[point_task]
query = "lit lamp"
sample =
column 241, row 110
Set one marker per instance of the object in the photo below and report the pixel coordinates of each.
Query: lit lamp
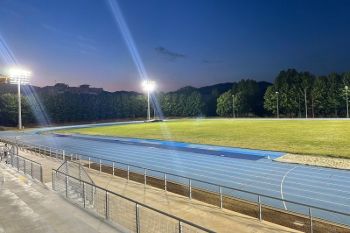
column 20, row 77
column 148, row 86
column 278, row 111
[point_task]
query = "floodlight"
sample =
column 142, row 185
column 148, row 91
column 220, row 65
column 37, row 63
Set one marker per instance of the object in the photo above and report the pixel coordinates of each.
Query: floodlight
column 148, row 85
column 18, row 75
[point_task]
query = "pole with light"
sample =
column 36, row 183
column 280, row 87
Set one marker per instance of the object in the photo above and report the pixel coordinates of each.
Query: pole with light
column 278, row 112
column 148, row 86
column 347, row 101
column 233, row 106
column 20, row 77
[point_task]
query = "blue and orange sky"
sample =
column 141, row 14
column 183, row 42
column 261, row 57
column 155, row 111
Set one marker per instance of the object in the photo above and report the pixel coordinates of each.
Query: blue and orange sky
column 182, row 42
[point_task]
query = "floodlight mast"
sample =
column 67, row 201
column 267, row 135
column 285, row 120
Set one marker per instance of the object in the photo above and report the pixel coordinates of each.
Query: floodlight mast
column 19, row 76
column 347, row 101
column 148, row 86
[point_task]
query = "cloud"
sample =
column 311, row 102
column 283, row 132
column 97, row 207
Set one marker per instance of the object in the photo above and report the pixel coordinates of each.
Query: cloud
column 86, row 46
column 79, row 42
column 10, row 11
column 211, row 61
column 170, row 55
column 85, row 39
column 50, row 28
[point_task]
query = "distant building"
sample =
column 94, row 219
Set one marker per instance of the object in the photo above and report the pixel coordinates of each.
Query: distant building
column 62, row 88
column 3, row 78
column 58, row 88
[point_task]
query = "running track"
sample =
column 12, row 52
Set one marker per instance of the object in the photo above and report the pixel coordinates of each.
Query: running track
column 321, row 187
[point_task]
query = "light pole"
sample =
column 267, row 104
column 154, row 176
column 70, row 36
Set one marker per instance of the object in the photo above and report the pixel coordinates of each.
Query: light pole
column 347, row 101
column 233, row 106
column 278, row 112
column 148, row 86
column 20, row 77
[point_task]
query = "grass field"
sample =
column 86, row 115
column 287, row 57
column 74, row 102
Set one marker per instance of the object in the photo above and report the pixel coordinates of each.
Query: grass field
column 316, row 137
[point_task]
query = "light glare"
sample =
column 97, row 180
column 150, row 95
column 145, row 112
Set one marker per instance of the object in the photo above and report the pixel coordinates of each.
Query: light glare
column 18, row 75
column 148, row 85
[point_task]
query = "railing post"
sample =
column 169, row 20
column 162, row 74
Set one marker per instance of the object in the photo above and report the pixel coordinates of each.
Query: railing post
column 66, row 186
column 63, row 155
column 137, row 219
column 50, row 152
column 220, row 191
column 311, row 225
column 113, row 168
column 260, row 210
column 84, row 195
column 24, row 164
column 165, row 183
column 31, row 169
column 89, row 163
column 128, row 172
column 190, row 188
column 53, row 180
column 100, row 166
column 180, row 226
column 107, row 205
column 41, row 174
column 145, row 177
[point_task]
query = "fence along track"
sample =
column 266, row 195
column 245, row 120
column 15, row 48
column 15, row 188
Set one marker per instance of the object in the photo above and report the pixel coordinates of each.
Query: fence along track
column 21, row 164
column 308, row 218
column 118, row 209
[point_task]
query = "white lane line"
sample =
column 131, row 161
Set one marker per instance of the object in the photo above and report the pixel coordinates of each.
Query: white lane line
column 324, row 193
column 279, row 164
column 284, row 177
column 308, row 185
column 318, row 184
column 137, row 152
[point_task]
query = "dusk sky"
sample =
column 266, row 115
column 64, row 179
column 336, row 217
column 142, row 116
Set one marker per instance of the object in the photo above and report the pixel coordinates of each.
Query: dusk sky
column 190, row 42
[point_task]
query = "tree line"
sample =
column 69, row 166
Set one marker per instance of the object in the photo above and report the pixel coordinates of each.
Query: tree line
column 299, row 94
column 302, row 94
column 293, row 94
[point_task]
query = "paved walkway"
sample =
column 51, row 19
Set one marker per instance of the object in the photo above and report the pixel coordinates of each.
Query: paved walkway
column 29, row 207
column 203, row 214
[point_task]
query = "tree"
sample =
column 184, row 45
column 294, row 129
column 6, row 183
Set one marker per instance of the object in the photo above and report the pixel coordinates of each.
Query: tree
column 286, row 84
column 184, row 102
column 306, row 82
column 270, row 97
column 8, row 109
column 249, row 97
column 334, row 92
column 225, row 104
column 319, row 97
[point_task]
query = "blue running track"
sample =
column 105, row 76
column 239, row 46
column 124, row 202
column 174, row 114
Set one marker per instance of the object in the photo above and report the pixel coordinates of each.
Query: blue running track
column 238, row 168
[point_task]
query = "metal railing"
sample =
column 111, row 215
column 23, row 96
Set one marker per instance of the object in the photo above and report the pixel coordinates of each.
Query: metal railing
column 27, row 166
column 120, row 210
column 298, row 215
